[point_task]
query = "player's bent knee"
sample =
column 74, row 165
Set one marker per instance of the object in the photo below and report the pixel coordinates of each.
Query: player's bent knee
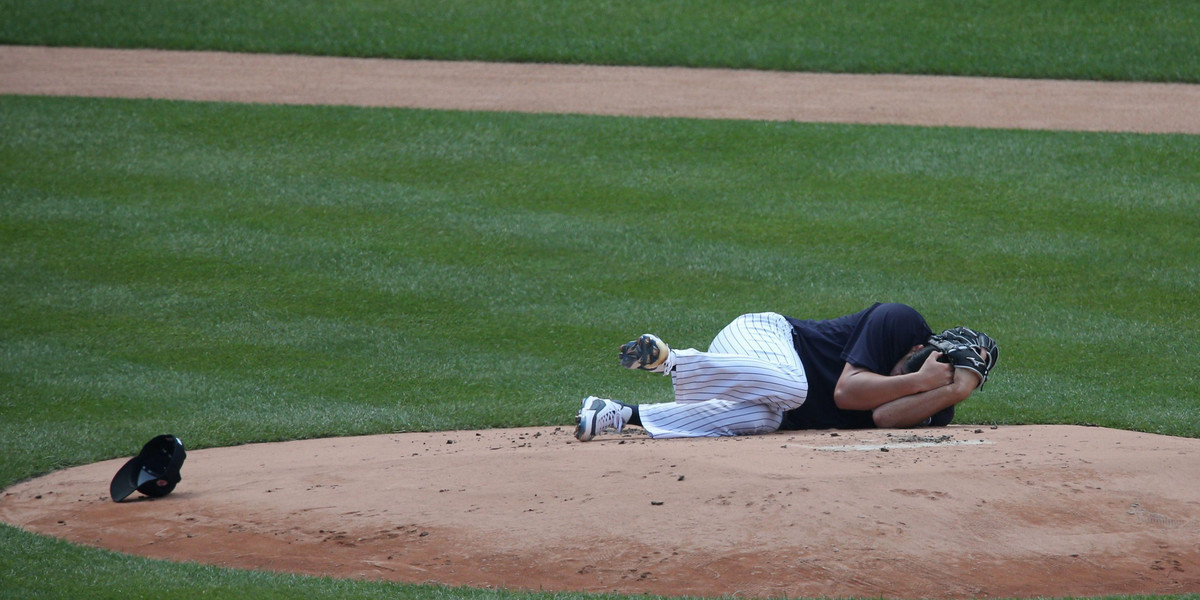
column 769, row 422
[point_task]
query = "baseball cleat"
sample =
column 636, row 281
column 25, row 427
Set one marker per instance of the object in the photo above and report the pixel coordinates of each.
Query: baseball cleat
column 647, row 353
column 598, row 415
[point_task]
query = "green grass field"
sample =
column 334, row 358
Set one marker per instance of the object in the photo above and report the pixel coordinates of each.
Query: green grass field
column 240, row 273
column 1152, row 40
column 248, row 273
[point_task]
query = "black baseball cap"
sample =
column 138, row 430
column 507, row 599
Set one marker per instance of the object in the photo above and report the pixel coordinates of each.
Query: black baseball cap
column 153, row 472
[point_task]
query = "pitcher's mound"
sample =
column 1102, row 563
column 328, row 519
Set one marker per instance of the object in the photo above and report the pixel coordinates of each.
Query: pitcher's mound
column 960, row 512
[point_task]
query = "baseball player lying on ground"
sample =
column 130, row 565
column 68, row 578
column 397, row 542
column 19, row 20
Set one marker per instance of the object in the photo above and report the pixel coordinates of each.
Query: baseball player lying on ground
column 880, row 367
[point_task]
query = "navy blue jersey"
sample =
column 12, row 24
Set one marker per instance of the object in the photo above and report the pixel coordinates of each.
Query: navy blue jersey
column 874, row 339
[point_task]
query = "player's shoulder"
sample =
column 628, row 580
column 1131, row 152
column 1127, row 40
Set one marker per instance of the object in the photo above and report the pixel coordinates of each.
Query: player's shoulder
column 894, row 315
column 892, row 310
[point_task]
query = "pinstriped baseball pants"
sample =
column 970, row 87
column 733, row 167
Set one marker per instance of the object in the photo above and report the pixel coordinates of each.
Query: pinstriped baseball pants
column 742, row 385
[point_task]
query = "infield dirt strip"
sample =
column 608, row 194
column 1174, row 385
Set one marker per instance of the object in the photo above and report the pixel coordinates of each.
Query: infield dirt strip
column 960, row 512
column 598, row 90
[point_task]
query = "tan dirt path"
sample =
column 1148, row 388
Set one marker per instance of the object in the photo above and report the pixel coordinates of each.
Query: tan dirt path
column 962, row 512
column 639, row 91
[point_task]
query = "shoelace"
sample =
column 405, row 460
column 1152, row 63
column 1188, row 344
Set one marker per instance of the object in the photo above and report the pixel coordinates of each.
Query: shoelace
column 610, row 416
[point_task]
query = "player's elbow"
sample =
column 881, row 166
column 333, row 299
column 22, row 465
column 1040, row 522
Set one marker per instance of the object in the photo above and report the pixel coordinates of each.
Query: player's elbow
column 849, row 396
column 858, row 389
column 843, row 399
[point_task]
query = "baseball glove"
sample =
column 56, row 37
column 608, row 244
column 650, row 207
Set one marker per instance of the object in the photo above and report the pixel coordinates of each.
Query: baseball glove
column 965, row 349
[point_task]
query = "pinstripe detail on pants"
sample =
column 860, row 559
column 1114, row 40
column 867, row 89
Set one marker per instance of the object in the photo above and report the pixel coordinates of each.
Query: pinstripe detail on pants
column 742, row 385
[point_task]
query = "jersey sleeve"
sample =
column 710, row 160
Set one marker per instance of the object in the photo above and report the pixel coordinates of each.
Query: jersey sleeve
column 884, row 335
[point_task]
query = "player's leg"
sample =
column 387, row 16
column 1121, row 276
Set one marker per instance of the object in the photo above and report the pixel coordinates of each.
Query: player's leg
column 752, row 360
column 766, row 336
column 709, row 419
column 674, row 420
column 749, row 377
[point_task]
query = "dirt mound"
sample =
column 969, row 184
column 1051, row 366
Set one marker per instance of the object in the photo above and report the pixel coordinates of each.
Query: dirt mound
column 957, row 513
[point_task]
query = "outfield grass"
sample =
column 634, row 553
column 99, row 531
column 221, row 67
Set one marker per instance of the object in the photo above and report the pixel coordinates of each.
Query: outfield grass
column 1146, row 40
column 236, row 273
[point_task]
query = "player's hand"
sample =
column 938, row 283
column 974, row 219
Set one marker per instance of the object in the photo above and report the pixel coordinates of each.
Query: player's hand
column 936, row 373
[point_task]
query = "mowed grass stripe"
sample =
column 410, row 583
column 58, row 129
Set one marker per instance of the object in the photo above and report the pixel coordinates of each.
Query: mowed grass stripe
column 1148, row 40
column 250, row 273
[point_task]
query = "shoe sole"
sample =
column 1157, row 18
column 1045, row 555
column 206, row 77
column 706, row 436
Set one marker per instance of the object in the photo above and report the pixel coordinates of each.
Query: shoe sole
column 636, row 354
column 581, row 429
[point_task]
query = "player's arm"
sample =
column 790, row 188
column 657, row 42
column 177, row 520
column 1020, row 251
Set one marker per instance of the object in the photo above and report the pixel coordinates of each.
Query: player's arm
column 861, row 389
column 910, row 411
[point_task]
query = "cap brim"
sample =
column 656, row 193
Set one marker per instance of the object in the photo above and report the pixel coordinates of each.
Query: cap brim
column 126, row 480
